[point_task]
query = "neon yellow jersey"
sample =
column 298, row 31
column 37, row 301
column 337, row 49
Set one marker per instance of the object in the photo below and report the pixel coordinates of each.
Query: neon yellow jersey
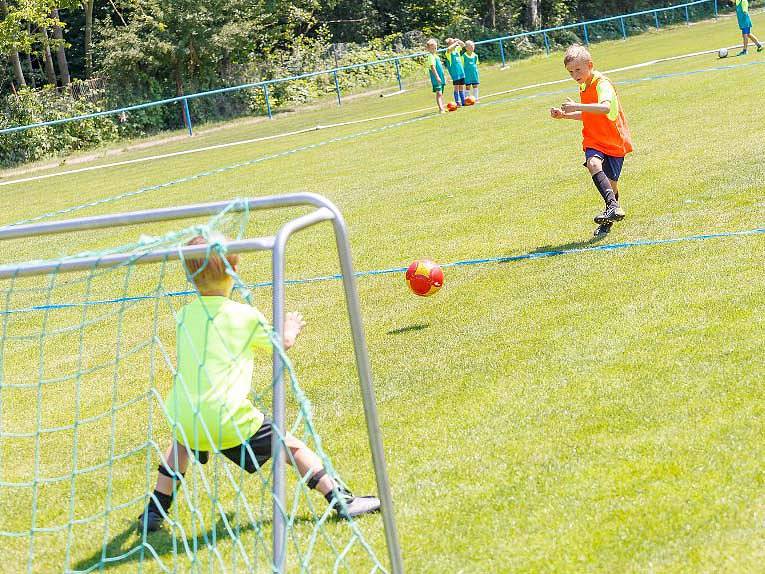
column 209, row 403
column 606, row 93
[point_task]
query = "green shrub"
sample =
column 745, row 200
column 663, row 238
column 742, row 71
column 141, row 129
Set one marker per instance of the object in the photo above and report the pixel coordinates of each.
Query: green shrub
column 31, row 107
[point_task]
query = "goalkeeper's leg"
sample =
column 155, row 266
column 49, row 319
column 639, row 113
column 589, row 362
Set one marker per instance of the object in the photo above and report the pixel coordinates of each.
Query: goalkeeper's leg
column 346, row 505
column 256, row 451
column 170, row 471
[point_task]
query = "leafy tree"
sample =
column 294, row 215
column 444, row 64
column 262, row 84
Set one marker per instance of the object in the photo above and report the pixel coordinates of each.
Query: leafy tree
column 8, row 42
column 24, row 23
column 184, row 44
column 16, row 16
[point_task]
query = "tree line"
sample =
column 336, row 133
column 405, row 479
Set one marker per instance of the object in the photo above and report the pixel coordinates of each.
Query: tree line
column 166, row 47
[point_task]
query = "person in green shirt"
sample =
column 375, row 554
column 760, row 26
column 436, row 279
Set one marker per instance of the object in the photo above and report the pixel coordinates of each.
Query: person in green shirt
column 745, row 23
column 470, row 63
column 456, row 69
column 436, row 73
column 217, row 341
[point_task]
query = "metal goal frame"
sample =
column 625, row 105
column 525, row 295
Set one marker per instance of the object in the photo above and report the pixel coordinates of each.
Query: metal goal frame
column 324, row 210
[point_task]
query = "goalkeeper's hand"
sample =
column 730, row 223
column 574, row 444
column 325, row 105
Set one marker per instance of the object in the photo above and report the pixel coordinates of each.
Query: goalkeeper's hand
column 293, row 325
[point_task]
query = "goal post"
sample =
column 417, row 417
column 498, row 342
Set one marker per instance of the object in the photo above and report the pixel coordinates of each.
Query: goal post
column 322, row 211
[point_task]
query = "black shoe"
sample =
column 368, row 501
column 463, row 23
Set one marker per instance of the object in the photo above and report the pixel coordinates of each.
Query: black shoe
column 603, row 229
column 612, row 213
column 354, row 505
column 152, row 519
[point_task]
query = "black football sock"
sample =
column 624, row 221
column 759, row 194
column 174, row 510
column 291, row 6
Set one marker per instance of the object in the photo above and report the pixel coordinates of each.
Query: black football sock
column 604, row 187
column 165, row 501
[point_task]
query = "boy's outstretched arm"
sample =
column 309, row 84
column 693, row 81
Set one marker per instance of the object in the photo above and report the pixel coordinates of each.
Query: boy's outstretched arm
column 559, row 114
column 570, row 106
column 293, row 324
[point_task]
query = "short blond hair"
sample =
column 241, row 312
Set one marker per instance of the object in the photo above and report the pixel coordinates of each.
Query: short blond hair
column 575, row 53
column 432, row 42
column 210, row 269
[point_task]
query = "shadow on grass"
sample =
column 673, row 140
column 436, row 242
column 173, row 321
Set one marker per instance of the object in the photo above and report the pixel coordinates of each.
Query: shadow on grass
column 594, row 240
column 409, row 329
column 131, row 539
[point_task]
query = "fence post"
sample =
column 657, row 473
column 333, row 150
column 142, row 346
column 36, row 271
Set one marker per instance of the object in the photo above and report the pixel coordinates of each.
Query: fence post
column 624, row 28
column 187, row 116
column 687, row 17
column 547, row 43
column 337, row 88
column 656, row 17
column 268, row 102
column 502, row 52
column 715, row 2
column 586, row 36
column 398, row 74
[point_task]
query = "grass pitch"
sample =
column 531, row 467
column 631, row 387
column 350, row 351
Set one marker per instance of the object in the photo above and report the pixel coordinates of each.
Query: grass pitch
column 599, row 411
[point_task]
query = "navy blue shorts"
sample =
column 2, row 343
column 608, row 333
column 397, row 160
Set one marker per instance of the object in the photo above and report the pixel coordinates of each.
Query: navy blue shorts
column 746, row 31
column 612, row 166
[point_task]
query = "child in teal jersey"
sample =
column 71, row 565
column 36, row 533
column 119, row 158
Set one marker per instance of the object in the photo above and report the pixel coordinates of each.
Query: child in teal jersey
column 436, row 73
column 470, row 62
column 745, row 23
column 209, row 405
column 456, row 70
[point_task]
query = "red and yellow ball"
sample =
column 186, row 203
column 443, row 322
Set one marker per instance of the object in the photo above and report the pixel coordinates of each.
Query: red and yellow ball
column 424, row 278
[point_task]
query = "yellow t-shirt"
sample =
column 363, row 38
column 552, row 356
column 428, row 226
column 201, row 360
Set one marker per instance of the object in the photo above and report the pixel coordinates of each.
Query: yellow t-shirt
column 216, row 343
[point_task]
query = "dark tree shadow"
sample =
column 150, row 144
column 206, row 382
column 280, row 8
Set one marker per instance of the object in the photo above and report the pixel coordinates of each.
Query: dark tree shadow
column 409, row 329
column 131, row 540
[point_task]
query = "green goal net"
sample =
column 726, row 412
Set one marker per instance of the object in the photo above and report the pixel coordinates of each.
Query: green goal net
column 87, row 359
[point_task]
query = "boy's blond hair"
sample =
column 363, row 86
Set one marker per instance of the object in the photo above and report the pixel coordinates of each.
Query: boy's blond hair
column 210, row 270
column 432, row 42
column 575, row 53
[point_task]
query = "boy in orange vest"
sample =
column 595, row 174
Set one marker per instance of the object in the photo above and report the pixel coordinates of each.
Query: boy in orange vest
column 604, row 131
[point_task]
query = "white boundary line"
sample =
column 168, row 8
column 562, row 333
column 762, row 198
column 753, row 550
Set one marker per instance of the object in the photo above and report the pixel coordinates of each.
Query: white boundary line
column 209, row 148
column 396, row 93
column 623, row 69
column 336, row 125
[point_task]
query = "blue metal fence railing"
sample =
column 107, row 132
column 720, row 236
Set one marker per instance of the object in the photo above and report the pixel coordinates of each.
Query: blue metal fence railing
column 585, row 32
column 584, row 27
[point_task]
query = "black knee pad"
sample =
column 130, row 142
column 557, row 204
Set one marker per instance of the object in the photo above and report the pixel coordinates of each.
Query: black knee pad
column 313, row 482
column 169, row 473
